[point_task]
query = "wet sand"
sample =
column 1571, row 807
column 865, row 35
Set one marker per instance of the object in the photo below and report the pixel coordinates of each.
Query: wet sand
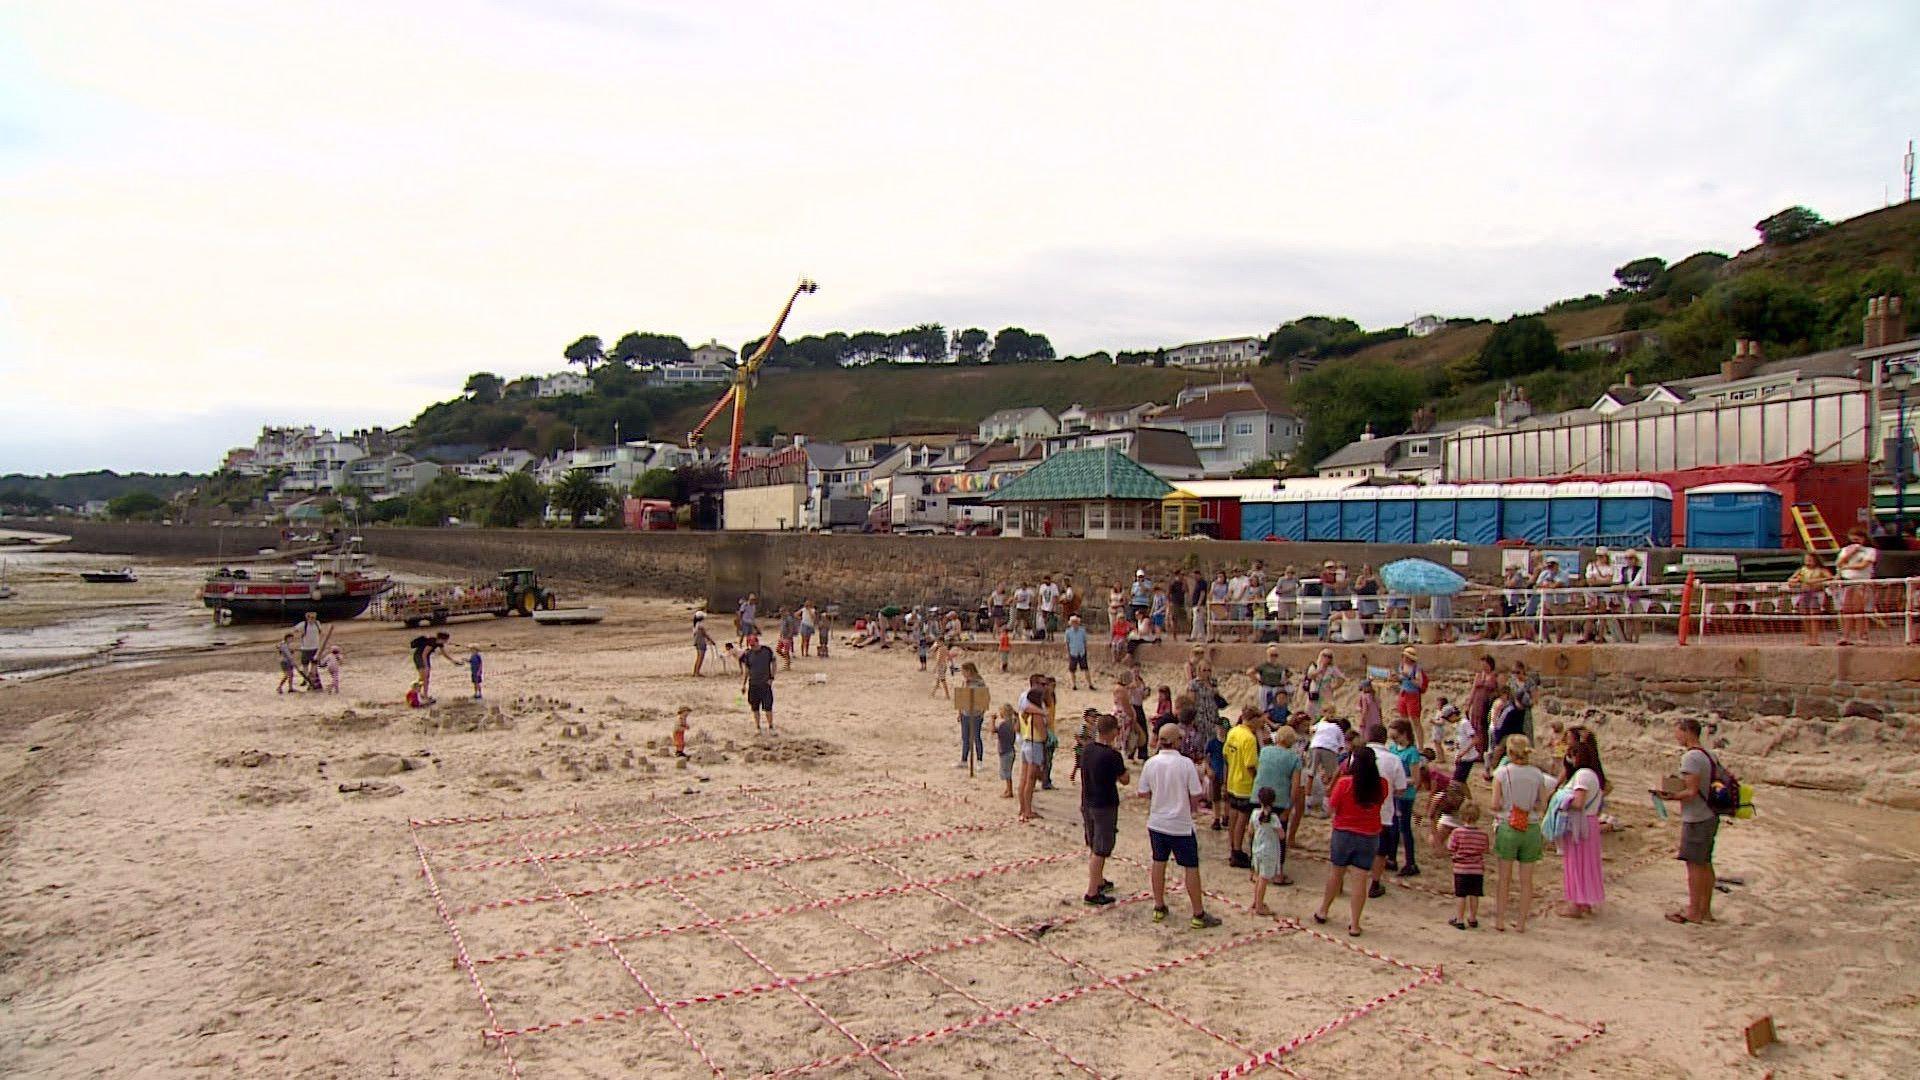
column 187, row 890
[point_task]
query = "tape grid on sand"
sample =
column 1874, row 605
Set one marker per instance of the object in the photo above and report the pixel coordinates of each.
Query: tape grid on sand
column 870, row 1053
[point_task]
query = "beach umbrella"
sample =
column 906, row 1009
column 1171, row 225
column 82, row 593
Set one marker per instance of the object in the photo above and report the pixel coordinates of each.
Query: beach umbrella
column 1418, row 577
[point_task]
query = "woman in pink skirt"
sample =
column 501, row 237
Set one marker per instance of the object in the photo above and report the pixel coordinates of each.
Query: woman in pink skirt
column 1580, row 848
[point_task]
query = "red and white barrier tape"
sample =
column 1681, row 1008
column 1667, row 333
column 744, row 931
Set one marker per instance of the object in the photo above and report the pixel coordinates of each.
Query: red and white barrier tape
column 1000, row 1016
column 1260, row 1060
column 722, row 871
column 650, row 823
column 775, row 912
column 464, row 961
column 665, row 841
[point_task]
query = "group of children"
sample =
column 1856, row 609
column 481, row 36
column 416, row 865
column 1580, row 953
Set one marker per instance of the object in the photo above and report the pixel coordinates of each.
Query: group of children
column 326, row 662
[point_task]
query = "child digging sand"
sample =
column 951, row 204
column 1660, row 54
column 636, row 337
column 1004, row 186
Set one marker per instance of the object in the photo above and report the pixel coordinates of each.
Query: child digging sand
column 286, row 665
column 1269, row 848
column 1467, row 845
column 680, row 731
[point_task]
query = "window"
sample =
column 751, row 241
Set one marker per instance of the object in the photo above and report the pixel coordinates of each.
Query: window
column 1243, row 427
column 1206, row 434
column 1096, row 516
column 1422, row 446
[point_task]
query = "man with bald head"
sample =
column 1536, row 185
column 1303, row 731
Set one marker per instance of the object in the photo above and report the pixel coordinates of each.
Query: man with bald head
column 1170, row 783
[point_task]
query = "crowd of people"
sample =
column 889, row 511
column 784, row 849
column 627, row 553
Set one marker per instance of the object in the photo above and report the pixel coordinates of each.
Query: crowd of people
column 1466, row 785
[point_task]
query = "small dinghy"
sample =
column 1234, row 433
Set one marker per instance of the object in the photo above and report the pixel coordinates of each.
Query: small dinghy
column 122, row 576
column 570, row 616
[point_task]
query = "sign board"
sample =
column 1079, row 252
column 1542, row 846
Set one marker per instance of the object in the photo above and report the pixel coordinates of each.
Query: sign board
column 1717, row 563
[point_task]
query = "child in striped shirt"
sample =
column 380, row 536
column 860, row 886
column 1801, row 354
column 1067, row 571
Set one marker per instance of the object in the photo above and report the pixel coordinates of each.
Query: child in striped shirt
column 1467, row 846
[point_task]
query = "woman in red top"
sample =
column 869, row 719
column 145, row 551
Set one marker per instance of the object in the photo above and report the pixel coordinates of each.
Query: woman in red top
column 1355, row 800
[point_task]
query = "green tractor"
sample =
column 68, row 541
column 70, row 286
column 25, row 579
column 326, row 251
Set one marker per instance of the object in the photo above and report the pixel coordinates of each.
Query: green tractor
column 523, row 591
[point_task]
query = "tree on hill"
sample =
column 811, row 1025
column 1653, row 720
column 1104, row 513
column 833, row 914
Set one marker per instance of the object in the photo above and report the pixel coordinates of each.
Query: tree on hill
column 1342, row 399
column 1013, row 345
column 1641, row 274
column 578, row 495
column 1323, row 336
column 135, row 506
column 970, row 345
column 516, row 500
column 927, row 341
column 1692, row 276
column 586, row 352
column 1518, row 346
column 484, row 386
column 1789, row 226
column 636, row 347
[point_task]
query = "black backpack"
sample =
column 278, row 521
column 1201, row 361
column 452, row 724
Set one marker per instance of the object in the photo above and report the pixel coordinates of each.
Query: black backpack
column 1723, row 788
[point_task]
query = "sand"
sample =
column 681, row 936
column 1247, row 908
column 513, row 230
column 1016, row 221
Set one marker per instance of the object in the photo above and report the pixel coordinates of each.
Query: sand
column 201, row 877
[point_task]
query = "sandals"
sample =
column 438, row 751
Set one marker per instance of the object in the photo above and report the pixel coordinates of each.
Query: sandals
column 1319, row 918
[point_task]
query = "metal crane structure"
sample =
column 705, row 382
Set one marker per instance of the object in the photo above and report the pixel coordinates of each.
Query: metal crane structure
column 744, row 377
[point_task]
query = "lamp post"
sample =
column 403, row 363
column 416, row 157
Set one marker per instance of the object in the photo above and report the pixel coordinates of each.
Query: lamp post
column 1900, row 381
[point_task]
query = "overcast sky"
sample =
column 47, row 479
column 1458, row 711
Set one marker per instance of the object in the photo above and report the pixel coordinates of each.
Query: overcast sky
column 214, row 214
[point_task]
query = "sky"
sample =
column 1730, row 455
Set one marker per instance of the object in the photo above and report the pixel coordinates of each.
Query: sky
column 215, row 215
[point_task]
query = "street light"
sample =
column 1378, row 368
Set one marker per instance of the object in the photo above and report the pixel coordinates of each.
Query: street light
column 1900, row 380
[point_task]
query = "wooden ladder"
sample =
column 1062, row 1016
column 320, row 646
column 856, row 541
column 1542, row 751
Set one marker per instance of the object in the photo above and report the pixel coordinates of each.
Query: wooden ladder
column 1812, row 526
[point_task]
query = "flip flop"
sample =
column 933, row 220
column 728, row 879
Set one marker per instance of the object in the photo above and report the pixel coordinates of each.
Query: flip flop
column 1319, row 918
column 1677, row 917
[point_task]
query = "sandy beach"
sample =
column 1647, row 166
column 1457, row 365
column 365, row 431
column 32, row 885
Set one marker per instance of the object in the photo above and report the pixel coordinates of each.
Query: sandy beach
column 202, row 877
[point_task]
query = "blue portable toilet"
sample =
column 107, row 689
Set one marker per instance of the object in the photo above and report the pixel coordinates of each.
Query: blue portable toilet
column 1359, row 514
column 1396, row 513
column 1523, row 512
column 1636, row 513
column 1289, row 517
column 1256, row 519
column 1733, row 516
column 1436, row 513
column 1477, row 514
column 1323, row 517
column 1573, row 513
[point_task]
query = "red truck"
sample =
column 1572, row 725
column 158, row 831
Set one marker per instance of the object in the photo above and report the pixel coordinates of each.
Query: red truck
column 649, row 515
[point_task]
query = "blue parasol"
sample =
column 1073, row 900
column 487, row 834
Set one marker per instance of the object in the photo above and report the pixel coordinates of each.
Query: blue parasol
column 1418, row 577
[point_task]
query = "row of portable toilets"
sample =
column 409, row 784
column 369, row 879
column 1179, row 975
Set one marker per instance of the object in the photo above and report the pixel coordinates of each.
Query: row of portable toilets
column 1622, row 513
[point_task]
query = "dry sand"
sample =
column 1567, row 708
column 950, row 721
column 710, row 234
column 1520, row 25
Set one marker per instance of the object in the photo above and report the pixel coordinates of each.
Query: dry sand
column 203, row 878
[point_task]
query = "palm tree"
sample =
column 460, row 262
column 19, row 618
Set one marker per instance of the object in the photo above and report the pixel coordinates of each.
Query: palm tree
column 587, row 352
column 579, row 494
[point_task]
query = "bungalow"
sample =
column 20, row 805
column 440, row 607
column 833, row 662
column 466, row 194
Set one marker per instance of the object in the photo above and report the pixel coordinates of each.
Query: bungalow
column 1030, row 421
column 1098, row 494
column 562, row 383
column 1220, row 353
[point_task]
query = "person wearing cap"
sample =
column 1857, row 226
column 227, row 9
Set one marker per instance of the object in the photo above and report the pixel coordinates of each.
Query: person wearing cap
column 1076, row 637
column 1413, row 684
column 1140, row 598
column 1548, row 580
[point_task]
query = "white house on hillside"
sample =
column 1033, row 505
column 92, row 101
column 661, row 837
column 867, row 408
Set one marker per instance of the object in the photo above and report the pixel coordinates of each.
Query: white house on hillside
column 1220, row 353
column 1030, row 421
column 561, row 383
column 1233, row 428
column 713, row 353
column 1422, row 325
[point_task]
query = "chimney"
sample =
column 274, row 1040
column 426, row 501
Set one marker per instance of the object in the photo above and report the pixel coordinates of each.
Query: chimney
column 799, row 439
column 1886, row 324
column 1746, row 357
column 1422, row 421
column 1628, row 379
column 1366, row 434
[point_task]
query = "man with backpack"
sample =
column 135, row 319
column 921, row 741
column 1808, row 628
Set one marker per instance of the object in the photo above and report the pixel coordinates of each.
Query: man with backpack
column 1699, row 821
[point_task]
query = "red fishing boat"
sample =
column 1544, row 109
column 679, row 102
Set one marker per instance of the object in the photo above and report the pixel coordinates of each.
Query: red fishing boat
column 335, row 586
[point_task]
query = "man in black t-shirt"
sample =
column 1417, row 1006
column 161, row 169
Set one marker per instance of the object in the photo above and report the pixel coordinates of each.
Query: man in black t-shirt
column 1102, row 769
column 756, row 678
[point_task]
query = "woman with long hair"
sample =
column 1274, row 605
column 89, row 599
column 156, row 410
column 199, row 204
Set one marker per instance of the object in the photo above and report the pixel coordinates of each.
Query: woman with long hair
column 1356, row 799
column 1581, row 882
column 1486, row 682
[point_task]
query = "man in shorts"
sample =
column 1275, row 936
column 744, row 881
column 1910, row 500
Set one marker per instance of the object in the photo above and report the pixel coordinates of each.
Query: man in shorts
column 311, row 640
column 1102, row 769
column 1171, row 785
column 1077, row 653
column 1323, row 756
column 1240, row 752
column 423, row 648
column 1699, row 825
column 756, row 679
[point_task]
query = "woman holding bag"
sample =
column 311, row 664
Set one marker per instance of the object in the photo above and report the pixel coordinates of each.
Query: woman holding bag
column 1520, row 794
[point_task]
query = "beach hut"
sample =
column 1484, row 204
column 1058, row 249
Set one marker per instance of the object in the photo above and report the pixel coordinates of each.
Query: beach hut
column 1289, row 516
column 1359, row 509
column 1256, row 519
column 1396, row 513
column 1523, row 512
column 1179, row 509
column 1436, row 513
column 1733, row 516
column 1477, row 514
column 1634, row 513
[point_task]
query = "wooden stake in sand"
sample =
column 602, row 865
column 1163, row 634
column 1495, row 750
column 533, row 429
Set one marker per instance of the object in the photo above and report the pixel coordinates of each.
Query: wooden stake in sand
column 1760, row 1035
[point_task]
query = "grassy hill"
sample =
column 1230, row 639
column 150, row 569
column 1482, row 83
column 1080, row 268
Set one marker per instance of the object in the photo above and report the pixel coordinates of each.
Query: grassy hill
column 867, row 402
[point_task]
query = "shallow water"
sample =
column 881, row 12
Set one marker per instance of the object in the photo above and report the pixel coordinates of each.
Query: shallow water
column 56, row 623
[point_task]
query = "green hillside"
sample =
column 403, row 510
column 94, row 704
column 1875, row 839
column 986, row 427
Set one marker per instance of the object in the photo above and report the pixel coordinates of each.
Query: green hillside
column 867, row 402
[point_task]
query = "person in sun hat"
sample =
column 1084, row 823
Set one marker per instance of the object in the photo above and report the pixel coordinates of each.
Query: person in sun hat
column 1413, row 685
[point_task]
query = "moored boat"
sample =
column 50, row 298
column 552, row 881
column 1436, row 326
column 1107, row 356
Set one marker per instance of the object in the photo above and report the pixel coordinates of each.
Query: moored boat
column 122, row 576
column 336, row 586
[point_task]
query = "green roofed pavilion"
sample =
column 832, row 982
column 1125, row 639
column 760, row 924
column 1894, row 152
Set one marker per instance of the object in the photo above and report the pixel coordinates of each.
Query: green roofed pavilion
column 1096, row 494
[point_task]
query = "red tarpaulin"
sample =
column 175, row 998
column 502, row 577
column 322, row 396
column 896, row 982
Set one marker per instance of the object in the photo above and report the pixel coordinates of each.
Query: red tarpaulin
column 1839, row 490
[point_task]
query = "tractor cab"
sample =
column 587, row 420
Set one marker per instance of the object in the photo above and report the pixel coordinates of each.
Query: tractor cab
column 523, row 590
